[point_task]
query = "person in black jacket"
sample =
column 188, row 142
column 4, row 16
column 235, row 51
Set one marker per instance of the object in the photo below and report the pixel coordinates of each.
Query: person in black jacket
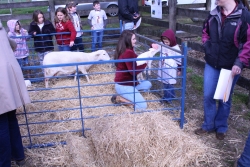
column 226, row 40
column 42, row 43
column 128, row 13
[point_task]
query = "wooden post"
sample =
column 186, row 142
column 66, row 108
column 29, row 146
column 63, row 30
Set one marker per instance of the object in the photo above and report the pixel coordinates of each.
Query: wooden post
column 208, row 5
column 52, row 11
column 172, row 14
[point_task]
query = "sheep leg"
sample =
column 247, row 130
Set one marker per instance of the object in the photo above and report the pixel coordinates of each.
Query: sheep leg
column 82, row 69
column 75, row 76
column 46, row 82
column 87, row 77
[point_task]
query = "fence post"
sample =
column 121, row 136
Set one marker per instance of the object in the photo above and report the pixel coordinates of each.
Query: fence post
column 208, row 5
column 52, row 11
column 172, row 14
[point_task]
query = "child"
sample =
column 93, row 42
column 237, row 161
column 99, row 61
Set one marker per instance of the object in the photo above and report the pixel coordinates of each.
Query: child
column 127, row 85
column 167, row 68
column 97, row 20
column 22, row 50
column 39, row 25
column 63, row 24
column 76, row 20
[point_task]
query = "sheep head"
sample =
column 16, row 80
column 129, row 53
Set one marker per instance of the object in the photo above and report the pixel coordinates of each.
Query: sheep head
column 102, row 55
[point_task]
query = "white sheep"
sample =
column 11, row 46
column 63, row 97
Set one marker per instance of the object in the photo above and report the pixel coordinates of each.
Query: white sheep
column 70, row 57
column 152, row 51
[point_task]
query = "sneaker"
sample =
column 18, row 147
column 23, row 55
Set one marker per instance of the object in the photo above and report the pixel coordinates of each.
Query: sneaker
column 118, row 100
column 220, row 136
column 113, row 99
column 202, row 132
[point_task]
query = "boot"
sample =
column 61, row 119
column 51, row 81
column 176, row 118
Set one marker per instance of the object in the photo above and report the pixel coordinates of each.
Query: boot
column 116, row 99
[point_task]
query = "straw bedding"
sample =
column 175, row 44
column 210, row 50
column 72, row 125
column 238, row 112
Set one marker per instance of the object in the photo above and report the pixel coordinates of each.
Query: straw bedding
column 149, row 139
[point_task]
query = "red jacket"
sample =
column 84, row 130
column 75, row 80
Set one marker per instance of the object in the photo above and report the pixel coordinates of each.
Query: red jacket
column 64, row 39
column 125, row 71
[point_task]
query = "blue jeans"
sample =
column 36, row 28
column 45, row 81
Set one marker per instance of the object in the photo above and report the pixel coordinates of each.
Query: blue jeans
column 215, row 119
column 128, row 26
column 23, row 61
column 97, row 36
column 11, row 146
column 63, row 47
column 169, row 92
column 129, row 92
column 78, row 44
column 244, row 160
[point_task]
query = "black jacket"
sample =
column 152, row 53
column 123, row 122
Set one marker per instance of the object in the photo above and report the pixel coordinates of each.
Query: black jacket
column 126, row 9
column 229, row 44
column 42, row 43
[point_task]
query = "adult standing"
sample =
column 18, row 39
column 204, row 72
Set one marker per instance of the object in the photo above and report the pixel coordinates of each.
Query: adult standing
column 128, row 12
column 244, row 160
column 226, row 39
column 13, row 94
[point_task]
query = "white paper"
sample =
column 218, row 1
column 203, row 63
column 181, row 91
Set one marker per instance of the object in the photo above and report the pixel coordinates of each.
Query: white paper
column 224, row 85
column 228, row 90
column 138, row 23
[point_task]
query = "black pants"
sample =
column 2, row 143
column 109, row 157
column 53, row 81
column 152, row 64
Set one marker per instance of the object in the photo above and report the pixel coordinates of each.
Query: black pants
column 11, row 146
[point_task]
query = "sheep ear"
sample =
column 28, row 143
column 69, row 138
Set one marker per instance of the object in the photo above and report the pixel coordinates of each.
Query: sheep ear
column 98, row 54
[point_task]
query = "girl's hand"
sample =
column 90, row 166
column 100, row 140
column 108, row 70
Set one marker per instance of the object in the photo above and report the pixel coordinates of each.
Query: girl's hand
column 155, row 46
column 179, row 73
column 236, row 70
column 34, row 33
column 71, row 43
column 25, row 32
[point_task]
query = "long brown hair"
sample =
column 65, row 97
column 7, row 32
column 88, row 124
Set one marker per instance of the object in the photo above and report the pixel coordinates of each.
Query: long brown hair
column 35, row 15
column 124, row 43
column 64, row 11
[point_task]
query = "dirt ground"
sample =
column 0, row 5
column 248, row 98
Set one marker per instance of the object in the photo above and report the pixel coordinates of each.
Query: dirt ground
column 239, row 125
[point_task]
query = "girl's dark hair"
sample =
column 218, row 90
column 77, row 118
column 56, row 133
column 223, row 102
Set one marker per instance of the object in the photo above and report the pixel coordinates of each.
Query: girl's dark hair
column 124, row 43
column 35, row 15
column 64, row 11
column 246, row 4
column 20, row 27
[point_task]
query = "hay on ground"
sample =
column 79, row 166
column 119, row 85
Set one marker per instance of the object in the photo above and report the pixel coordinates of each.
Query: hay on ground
column 148, row 139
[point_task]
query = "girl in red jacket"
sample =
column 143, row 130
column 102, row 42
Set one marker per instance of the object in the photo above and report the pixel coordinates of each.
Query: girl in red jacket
column 63, row 25
column 127, row 85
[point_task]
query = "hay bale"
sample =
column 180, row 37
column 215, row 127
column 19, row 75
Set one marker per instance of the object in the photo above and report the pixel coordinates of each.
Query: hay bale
column 81, row 151
column 148, row 139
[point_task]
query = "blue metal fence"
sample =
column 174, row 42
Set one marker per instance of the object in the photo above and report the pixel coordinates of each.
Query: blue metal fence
column 68, row 106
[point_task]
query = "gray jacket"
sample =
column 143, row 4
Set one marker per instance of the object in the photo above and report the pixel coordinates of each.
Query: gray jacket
column 13, row 91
